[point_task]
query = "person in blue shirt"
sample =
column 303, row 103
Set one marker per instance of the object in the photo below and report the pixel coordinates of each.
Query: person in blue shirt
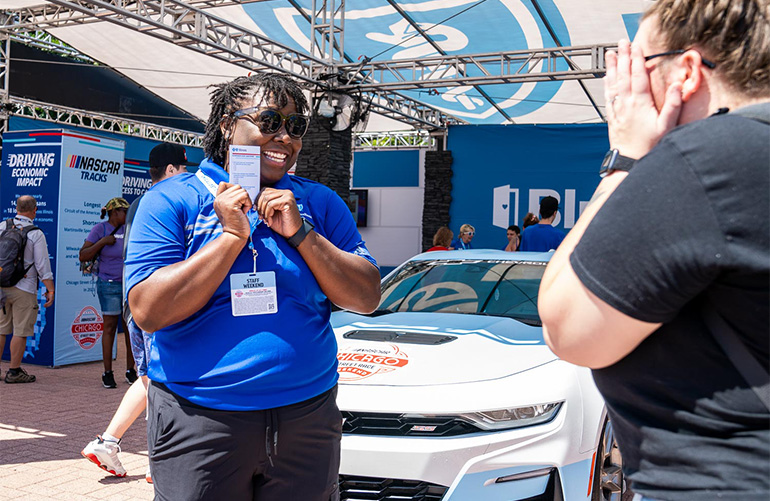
column 542, row 237
column 463, row 240
column 238, row 294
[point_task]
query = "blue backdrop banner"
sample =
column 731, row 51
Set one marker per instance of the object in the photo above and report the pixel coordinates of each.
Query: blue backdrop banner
column 500, row 172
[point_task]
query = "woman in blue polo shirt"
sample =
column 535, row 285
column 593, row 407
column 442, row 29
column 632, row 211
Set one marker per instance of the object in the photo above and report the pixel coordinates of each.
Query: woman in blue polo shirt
column 243, row 363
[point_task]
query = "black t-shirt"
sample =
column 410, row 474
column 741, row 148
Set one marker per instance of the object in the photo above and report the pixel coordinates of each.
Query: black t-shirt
column 690, row 224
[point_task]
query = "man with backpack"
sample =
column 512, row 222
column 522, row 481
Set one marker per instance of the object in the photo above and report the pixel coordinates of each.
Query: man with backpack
column 23, row 259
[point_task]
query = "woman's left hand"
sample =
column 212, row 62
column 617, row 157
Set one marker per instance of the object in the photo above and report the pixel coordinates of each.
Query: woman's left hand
column 278, row 208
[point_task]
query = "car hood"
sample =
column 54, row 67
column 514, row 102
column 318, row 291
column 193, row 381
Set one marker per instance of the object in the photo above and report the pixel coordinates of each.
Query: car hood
column 425, row 349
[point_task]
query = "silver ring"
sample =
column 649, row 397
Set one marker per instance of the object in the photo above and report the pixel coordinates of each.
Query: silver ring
column 615, row 98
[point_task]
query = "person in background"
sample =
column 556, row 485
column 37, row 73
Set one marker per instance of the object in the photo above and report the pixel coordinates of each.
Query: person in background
column 662, row 320
column 238, row 294
column 105, row 243
column 463, row 241
column 442, row 239
column 513, row 234
column 166, row 160
column 529, row 220
column 19, row 314
column 542, row 237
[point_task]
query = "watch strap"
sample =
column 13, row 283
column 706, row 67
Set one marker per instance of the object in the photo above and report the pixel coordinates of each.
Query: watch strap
column 302, row 232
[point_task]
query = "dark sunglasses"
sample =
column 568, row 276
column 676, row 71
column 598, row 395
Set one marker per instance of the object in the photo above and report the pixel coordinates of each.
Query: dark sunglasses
column 706, row 62
column 270, row 121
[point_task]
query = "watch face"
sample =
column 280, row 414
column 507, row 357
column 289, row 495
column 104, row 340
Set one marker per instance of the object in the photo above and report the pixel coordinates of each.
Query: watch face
column 609, row 158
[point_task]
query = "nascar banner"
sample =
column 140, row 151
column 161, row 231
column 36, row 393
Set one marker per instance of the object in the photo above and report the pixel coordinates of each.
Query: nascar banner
column 72, row 175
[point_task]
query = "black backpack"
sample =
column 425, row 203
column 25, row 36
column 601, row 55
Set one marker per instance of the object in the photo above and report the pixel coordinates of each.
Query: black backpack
column 12, row 243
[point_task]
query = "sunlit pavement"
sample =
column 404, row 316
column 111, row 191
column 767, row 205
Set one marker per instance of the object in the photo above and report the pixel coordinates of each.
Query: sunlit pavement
column 44, row 425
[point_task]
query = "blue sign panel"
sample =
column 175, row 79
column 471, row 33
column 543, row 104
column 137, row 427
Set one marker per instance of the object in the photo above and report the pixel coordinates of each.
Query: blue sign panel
column 502, row 172
column 372, row 169
column 31, row 167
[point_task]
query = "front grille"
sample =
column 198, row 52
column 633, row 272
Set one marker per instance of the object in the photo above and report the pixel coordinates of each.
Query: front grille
column 401, row 425
column 388, row 489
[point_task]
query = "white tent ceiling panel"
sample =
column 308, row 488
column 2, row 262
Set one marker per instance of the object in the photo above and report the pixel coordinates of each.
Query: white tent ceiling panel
column 174, row 73
column 568, row 105
column 375, row 29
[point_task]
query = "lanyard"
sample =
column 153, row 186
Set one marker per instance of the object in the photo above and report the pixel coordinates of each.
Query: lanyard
column 212, row 187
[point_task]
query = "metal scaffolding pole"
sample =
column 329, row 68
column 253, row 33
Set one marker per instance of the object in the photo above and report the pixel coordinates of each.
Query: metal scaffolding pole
column 5, row 55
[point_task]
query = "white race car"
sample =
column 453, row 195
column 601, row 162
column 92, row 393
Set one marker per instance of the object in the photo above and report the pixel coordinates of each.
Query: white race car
column 448, row 391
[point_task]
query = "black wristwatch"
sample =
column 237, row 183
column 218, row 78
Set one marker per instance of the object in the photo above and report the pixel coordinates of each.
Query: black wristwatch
column 302, row 232
column 613, row 161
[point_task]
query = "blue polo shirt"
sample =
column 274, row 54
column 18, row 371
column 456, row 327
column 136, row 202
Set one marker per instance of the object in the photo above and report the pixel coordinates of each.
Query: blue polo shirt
column 213, row 358
column 541, row 238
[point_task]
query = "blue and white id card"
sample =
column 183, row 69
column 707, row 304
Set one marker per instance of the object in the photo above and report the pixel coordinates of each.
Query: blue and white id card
column 253, row 293
column 244, row 165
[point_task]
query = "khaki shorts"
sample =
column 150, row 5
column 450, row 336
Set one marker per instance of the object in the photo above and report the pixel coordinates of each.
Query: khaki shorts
column 20, row 313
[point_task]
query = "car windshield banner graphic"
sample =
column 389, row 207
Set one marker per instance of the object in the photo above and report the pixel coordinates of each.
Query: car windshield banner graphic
column 381, row 33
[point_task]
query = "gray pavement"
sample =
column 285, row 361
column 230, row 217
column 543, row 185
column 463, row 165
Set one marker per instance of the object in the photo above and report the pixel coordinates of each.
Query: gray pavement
column 44, row 425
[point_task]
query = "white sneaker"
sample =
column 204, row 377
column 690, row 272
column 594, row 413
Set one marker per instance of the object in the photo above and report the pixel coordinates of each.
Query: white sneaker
column 104, row 454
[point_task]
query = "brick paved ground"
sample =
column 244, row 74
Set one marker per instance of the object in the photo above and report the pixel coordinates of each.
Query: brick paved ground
column 44, row 426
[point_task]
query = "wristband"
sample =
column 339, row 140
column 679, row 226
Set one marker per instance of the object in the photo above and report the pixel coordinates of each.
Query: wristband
column 302, row 232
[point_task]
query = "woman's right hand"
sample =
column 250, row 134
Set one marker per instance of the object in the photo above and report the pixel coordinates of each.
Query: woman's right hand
column 231, row 205
column 109, row 240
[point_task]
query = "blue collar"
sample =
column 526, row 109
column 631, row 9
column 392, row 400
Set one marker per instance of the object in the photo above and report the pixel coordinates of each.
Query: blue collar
column 214, row 171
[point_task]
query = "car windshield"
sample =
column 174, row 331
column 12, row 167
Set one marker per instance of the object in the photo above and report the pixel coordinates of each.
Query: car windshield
column 498, row 288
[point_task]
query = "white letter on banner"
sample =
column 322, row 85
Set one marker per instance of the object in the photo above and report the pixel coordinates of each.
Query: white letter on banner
column 501, row 205
column 569, row 208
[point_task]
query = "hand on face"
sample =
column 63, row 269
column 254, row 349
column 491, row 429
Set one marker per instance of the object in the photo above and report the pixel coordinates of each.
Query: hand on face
column 231, row 205
column 278, row 208
column 635, row 121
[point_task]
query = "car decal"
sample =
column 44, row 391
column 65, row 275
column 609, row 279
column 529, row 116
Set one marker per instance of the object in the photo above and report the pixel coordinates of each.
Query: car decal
column 356, row 363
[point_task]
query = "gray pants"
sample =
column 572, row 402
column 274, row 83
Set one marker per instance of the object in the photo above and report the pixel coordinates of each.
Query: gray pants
column 282, row 454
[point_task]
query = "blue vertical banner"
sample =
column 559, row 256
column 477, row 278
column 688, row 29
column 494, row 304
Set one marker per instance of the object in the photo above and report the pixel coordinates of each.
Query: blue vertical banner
column 501, row 172
column 71, row 175
column 136, row 178
column 30, row 166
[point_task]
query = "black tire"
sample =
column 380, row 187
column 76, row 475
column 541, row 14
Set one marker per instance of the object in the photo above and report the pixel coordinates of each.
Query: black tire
column 609, row 484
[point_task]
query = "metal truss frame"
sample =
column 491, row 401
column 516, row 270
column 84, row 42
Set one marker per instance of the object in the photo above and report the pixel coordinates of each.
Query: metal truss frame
column 5, row 55
column 100, row 121
column 187, row 24
column 63, row 115
column 393, row 140
column 535, row 65
column 44, row 40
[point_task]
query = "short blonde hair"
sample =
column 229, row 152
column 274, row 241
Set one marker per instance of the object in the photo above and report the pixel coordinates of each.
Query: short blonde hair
column 466, row 228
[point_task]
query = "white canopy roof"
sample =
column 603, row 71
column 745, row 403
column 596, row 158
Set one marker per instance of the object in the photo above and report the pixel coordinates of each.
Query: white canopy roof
column 383, row 30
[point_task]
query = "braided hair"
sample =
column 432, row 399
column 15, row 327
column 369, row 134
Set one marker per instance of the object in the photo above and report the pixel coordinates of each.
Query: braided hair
column 228, row 97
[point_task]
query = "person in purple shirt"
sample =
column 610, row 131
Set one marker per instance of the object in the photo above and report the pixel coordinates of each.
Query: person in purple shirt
column 105, row 242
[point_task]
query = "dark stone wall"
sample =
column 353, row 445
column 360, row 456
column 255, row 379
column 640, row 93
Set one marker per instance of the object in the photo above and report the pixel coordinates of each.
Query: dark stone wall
column 326, row 156
column 438, row 194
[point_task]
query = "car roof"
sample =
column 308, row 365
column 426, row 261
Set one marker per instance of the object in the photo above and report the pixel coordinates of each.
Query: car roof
column 483, row 254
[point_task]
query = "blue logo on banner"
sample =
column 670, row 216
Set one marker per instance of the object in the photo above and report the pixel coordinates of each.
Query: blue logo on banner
column 457, row 26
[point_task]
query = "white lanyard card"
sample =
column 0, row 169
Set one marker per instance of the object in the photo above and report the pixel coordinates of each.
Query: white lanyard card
column 253, row 293
column 244, row 166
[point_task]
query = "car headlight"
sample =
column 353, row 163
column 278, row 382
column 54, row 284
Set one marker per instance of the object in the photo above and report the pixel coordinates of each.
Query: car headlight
column 517, row 417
